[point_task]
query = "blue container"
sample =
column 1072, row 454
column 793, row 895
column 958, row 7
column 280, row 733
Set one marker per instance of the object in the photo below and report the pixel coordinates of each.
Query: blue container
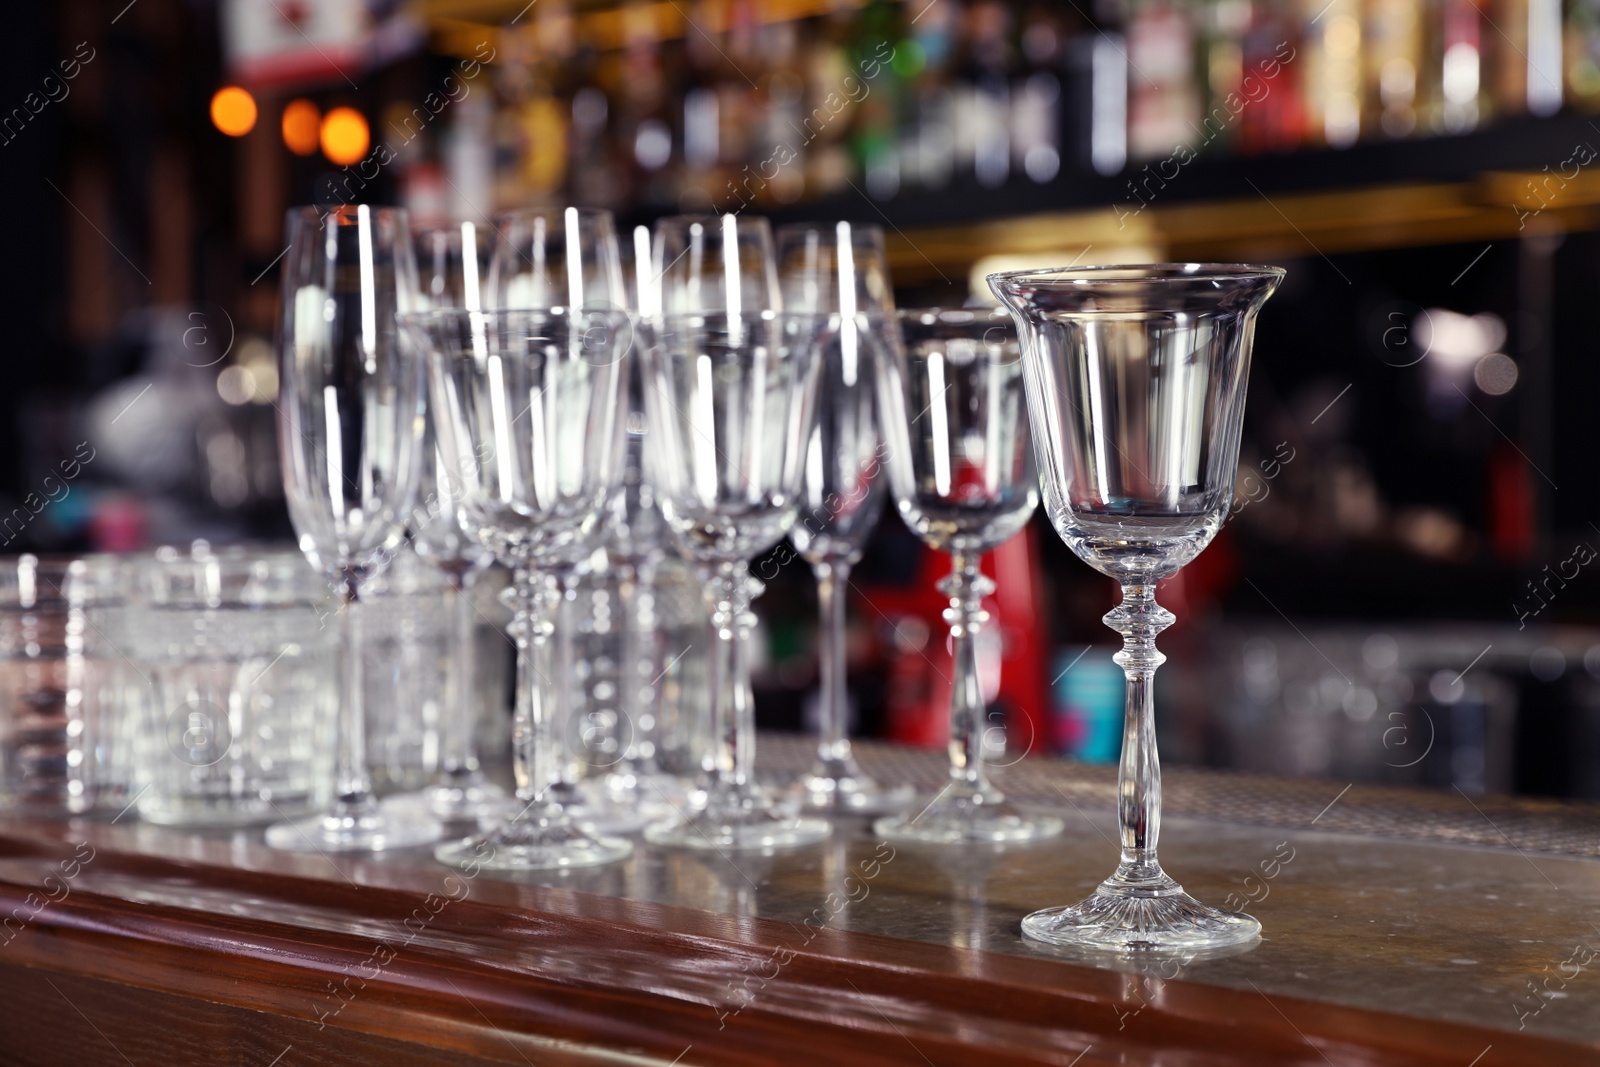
column 1088, row 705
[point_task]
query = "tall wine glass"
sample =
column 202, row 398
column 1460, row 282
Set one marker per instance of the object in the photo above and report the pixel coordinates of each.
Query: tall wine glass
column 961, row 468
column 731, row 402
column 557, row 257
column 630, row 790
column 452, row 267
column 1136, row 387
column 546, row 258
column 528, row 409
column 726, row 264
column 350, row 436
column 714, row 263
column 840, row 269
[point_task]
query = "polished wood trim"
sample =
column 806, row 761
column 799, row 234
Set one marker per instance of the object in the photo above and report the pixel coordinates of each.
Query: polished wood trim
column 1493, row 207
column 460, row 26
column 561, row 977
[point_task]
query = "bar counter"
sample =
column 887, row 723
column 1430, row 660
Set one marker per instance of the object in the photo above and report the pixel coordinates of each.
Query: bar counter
column 1401, row 927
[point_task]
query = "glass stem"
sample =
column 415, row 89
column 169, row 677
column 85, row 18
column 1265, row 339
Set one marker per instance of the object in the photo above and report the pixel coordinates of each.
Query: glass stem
column 732, row 712
column 966, row 587
column 458, row 722
column 1139, row 619
column 566, row 703
column 633, row 688
column 353, row 785
column 744, row 695
column 835, row 742
column 532, row 725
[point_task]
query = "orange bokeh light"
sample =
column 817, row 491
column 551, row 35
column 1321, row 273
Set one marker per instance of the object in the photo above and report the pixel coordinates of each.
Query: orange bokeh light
column 233, row 111
column 345, row 136
column 302, row 127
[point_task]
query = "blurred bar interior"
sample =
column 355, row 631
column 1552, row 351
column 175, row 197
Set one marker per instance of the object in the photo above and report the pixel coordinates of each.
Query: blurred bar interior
column 1403, row 595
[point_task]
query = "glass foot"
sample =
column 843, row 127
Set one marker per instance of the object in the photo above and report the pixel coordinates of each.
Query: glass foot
column 1119, row 918
column 541, row 838
column 842, row 789
column 359, row 826
column 623, row 803
column 738, row 820
column 464, row 797
column 979, row 816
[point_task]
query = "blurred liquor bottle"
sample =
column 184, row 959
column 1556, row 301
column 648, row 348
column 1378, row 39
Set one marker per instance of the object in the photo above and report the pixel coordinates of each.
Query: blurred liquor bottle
column 989, row 92
column 825, row 151
column 1528, row 61
column 644, row 126
column 1163, row 90
column 1333, row 74
column 878, row 104
column 780, row 149
column 1393, row 50
column 705, row 182
column 1583, row 53
column 1456, row 96
column 1095, row 109
column 1282, row 52
column 1220, row 67
column 594, row 178
column 1036, row 97
column 540, row 110
column 928, row 134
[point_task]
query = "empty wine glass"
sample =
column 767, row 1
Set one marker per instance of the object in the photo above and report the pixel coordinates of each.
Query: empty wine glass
column 714, row 263
column 726, row 264
column 631, row 790
column 557, row 257
column 528, row 409
column 731, row 403
column 841, row 269
column 546, row 258
column 452, row 267
column 1136, row 388
column 961, row 468
column 349, row 430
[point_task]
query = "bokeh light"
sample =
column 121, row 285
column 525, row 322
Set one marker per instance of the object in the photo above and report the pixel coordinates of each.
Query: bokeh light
column 302, row 127
column 345, row 137
column 233, row 111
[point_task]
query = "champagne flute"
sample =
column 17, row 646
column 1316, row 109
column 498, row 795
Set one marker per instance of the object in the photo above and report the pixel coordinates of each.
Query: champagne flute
column 961, row 468
column 840, row 269
column 542, row 259
column 350, row 423
column 1136, row 387
column 452, row 264
column 631, row 790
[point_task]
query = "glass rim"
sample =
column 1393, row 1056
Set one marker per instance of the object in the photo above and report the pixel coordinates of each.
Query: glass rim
column 1107, row 274
column 601, row 214
column 713, row 217
column 868, row 229
column 452, row 228
column 754, row 315
column 553, row 311
column 950, row 316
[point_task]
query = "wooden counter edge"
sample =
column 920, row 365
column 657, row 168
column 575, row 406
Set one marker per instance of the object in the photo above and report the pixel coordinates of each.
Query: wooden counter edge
column 519, row 969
